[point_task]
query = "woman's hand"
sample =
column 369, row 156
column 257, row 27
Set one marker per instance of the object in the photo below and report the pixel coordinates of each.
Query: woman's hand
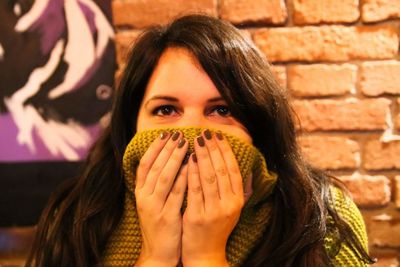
column 159, row 198
column 215, row 200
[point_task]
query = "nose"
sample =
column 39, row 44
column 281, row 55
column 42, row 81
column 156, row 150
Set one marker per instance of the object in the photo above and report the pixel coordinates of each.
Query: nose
column 194, row 118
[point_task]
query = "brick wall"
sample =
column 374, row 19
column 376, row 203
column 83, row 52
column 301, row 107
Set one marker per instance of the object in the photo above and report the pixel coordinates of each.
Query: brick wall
column 339, row 61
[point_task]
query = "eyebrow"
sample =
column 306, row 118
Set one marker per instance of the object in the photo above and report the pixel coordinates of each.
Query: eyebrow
column 174, row 99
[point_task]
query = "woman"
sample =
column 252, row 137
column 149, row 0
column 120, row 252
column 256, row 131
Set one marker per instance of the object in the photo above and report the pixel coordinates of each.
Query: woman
column 226, row 135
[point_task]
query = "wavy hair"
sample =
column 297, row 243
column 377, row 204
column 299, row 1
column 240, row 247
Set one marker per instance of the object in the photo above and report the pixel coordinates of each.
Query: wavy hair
column 80, row 217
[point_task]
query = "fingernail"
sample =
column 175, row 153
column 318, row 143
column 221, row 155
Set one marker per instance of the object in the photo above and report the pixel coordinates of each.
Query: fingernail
column 207, row 134
column 175, row 136
column 194, row 158
column 200, row 141
column 181, row 143
column 185, row 159
column 163, row 135
column 219, row 136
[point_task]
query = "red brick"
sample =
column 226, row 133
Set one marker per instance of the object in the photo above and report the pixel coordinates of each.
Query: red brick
column 398, row 122
column 349, row 114
column 123, row 43
column 384, row 231
column 280, row 74
column 321, row 79
column 328, row 43
column 338, row 152
column 397, row 190
column 382, row 156
column 377, row 10
column 380, row 77
column 397, row 119
column 368, row 191
column 144, row 13
column 387, row 262
column 327, row 11
column 255, row 11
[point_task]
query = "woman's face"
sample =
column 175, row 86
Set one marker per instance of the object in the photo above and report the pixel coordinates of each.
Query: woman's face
column 180, row 93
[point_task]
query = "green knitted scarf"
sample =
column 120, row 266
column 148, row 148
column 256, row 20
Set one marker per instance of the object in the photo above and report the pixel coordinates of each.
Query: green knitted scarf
column 124, row 246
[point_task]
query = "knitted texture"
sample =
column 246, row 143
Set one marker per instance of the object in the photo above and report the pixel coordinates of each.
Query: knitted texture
column 124, row 246
column 342, row 253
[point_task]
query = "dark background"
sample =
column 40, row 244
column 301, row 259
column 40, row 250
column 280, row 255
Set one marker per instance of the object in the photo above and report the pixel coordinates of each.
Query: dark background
column 25, row 188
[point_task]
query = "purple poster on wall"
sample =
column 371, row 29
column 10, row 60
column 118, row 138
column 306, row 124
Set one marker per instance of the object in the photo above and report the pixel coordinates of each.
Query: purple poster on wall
column 56, row 73
column 57, row 63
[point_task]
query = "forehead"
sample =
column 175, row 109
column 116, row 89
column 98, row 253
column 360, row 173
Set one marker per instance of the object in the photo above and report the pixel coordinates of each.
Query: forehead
column 179, row 73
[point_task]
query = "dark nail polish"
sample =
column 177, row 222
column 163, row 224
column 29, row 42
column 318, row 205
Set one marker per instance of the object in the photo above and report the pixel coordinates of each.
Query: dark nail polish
column 175, row 136
column 163, row 135
column 194, row 157
column 219, row 136
column 181, row 143
column 200, row 141
column 207, row 134
column 185, row 159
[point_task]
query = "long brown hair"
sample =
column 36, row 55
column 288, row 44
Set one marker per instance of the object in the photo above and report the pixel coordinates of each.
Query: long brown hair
column 80, row 217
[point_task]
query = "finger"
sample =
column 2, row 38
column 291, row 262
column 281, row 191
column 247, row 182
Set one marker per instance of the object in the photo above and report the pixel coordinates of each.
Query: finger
column 148, row 158
column 167, row 176
column 235, row 176
column 159, row 163
column 207, row 175
column 174, row 200
column 195, row 201
column 218, row 162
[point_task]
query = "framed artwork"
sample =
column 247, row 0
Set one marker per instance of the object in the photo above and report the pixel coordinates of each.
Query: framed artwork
column 57, row 64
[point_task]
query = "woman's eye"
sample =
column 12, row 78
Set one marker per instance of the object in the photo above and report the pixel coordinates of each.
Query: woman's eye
column 164, row 110
column 222, row 111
